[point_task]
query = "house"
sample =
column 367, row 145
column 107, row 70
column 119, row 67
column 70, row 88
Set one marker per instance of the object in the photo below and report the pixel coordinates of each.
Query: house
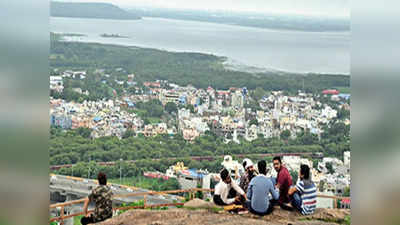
column 330, row 92
column 56, row 83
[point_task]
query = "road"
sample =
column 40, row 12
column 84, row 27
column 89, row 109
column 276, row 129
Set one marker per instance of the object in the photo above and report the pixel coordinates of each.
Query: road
column 76, row 188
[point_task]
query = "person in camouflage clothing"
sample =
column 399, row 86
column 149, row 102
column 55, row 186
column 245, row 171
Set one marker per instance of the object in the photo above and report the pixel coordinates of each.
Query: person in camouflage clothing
column 101, row 196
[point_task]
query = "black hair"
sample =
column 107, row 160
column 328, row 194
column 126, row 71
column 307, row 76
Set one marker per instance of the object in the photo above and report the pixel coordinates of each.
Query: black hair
column 102, row 178
column 224, row 174
column 305, row 171
column 244, row 164
column 262, row 167
column 277, row 158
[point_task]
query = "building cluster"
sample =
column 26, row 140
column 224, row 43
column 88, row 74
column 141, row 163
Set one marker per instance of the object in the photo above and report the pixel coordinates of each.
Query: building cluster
column 222, row 112
column 104, row 118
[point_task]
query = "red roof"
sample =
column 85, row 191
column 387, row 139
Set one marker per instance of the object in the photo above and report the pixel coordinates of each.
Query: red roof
column 330, row 92
column 346, row 200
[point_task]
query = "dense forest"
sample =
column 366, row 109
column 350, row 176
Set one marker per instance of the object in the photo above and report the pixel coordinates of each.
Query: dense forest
column 75, row 146
column 200, row 70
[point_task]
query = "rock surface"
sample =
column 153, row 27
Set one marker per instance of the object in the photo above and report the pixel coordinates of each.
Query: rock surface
column 207, row 217
column 198, row 203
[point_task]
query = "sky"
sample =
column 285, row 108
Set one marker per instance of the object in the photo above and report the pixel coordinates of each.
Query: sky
column 334, row 8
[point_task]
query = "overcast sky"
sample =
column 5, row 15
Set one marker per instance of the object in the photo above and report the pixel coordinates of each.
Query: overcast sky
column 314, row 7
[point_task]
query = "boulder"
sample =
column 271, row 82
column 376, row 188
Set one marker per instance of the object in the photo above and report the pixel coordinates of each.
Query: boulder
column 199, row 203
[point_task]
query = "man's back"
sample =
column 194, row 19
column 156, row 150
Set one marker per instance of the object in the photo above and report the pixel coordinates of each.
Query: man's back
column 259, row 188
column 308, row 193
column 102, row 196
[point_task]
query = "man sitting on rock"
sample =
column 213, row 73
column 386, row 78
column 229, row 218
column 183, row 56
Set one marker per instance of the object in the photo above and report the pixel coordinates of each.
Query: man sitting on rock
column 248, row 175
column 304, row 194
column 258, row 193
column 282, row 182
column 226, row 191
column 101, row 196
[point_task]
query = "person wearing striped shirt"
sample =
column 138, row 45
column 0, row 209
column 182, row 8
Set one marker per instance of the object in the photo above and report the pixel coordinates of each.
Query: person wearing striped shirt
column 304, row 194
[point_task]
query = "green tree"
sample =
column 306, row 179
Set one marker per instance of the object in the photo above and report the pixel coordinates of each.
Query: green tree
column 285, row 135
column 329, row 167
column 190, row 107
column 294, row 175
column 346, row 192
column 224, row 103
column 171, row 107
column 253, row 121
column 258, row 93
column 84, row 132
column 128, row 133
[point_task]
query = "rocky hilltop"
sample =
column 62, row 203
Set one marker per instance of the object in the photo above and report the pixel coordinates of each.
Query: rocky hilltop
column 205, row 214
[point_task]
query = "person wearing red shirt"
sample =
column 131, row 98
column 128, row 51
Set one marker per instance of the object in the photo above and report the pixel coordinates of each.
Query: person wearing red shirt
column 283, row 181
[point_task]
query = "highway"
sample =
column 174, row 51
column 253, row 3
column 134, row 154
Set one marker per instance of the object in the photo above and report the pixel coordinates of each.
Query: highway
column 72, row 188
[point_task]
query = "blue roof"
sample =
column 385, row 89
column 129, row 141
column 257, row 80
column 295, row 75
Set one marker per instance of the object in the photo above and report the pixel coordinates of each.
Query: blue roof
column 346, row 96
column 193, row 172
column 97, row 118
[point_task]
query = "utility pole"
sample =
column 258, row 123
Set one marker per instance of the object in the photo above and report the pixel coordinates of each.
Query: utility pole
column 72, row 170
column 89, row 168
column 120, row 171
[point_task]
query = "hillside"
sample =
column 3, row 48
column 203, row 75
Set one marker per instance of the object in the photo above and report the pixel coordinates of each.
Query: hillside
column 90, row 10
column 267, row 20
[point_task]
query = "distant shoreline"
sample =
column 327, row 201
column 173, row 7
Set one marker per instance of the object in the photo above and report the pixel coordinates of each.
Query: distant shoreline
column 226, row 62
column 113, row 36
column 237, row 66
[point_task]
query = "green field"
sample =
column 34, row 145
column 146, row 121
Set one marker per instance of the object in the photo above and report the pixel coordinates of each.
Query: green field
column 147, row 183
column 344, row 90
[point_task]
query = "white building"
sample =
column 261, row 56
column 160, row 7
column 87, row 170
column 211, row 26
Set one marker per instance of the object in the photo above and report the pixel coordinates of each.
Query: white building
column 346, row 158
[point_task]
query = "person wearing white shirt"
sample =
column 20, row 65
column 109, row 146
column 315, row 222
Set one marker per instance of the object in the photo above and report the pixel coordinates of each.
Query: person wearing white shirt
column 226, row 192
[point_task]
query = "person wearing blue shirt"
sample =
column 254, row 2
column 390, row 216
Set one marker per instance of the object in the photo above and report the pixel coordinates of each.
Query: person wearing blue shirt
column 258, row 192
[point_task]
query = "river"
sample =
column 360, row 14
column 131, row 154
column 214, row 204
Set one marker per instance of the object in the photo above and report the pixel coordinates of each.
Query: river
column 293, row 51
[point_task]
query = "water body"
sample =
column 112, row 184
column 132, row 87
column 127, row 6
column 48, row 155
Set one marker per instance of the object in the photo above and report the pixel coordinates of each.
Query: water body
column 294, row 51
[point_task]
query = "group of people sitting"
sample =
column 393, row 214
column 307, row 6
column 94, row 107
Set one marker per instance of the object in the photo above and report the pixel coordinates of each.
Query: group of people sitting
column 254, row 191
column 259, row 193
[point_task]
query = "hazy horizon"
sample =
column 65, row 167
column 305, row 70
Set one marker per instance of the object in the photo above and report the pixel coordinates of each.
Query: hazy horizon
column 328, row 8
